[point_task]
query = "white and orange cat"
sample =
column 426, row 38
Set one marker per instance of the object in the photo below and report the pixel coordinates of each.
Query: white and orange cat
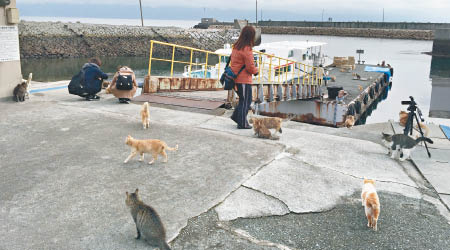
column 371, row 203
column 145, row 115
column 151, row 146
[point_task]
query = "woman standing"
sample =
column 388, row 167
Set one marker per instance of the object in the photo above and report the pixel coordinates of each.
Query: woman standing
column 240, row 56
column 125, row 77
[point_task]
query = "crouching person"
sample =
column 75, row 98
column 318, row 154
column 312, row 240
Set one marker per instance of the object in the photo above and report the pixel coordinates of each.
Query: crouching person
column 123, row 85
column 93, row 78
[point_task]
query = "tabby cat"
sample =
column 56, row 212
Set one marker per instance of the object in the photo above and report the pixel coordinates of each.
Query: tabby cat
column 148, row 223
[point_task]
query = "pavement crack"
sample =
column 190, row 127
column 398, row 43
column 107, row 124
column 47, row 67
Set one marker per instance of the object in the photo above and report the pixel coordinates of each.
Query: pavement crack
column 353, row 176
column 246, row 236
column 271, row 196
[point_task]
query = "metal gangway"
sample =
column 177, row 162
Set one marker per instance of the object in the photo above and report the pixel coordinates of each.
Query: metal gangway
column 279, row 79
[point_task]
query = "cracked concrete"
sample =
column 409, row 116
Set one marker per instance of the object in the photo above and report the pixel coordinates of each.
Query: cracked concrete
column 64, row 181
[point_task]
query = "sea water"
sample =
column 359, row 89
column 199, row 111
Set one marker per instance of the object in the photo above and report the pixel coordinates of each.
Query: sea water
column 411, row 65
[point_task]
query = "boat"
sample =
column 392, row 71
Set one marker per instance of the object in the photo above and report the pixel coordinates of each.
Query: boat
column 281, row 61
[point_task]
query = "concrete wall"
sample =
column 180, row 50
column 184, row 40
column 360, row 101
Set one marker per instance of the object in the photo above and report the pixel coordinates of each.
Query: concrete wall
column 350, row 32
column 371, row 25
column 61, row 40
column 441, row 43
column 10, row 73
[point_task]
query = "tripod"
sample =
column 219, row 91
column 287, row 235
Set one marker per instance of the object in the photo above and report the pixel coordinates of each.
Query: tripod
column 412, row 108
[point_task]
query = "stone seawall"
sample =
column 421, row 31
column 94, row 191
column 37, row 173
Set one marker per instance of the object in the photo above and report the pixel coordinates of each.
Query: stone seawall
column 61, row 40
column 351, row 32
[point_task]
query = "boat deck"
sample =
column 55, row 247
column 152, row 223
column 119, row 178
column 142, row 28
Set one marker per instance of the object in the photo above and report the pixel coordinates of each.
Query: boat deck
column 346, row 81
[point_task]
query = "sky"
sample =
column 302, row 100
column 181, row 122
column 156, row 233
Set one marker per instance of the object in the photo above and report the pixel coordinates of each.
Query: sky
column 227, row 10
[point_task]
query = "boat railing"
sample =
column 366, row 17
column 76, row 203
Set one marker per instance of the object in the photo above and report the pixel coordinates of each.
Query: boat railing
column 271, row 69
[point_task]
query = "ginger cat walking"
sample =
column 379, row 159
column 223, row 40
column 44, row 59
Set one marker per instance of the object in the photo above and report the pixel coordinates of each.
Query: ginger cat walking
column 371, row 203
column 151, row 146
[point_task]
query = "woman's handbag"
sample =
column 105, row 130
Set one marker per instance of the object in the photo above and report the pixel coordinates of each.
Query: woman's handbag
column 228, row 76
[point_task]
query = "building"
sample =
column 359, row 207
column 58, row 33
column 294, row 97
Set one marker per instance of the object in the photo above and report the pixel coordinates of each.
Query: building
column 10, row 73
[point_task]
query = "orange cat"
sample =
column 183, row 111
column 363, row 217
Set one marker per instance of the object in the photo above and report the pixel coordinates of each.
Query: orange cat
column 154, row 147
column 145, row 115
column 403, row 115
column 349, row 121
column 371, row 203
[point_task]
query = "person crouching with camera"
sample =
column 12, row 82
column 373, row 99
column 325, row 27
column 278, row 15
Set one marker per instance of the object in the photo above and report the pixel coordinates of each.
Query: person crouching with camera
column 123, row 85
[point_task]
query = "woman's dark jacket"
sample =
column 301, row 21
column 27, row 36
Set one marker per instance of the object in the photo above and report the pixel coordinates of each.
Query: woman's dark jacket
column 93, row 78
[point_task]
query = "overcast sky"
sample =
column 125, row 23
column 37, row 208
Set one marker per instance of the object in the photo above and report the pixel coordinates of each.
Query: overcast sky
column 340, row 10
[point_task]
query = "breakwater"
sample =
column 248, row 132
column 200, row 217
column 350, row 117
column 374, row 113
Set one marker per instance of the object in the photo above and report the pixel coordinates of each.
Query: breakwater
column 62, row 40
column 350, row 32
column 360, row 25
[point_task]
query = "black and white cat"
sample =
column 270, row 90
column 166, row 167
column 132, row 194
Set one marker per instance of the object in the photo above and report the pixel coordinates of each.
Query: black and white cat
column 402, row 143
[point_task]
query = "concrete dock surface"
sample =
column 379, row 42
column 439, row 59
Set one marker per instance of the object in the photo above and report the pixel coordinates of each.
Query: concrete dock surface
column 63, row 181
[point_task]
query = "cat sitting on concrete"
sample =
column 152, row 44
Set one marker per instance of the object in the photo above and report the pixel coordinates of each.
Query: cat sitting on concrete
column 148, row 222
column 402, row 143
column 403, row 115
column 20, row 91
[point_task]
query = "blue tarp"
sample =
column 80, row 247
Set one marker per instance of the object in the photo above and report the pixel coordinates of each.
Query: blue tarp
column 387, row 71
column 446, row 131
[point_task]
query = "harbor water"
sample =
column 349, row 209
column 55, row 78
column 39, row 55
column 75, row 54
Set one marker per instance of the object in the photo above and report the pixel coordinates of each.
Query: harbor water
column 411, row 68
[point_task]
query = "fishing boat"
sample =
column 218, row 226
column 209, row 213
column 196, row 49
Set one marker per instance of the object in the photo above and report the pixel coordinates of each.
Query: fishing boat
column 280, row 61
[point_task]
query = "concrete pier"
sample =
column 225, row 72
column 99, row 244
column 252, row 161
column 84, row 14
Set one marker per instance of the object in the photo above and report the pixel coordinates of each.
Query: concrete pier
column 63, row 182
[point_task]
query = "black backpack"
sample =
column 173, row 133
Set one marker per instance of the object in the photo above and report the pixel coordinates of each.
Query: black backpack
column 77, row 85
column 124, row 82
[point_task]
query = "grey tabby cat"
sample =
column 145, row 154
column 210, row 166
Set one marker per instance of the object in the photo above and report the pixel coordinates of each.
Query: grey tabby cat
column 20, row 91
column 148, row 223
column 403, row 143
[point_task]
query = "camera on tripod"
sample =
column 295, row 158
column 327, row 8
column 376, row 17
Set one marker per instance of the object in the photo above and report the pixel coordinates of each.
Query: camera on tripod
column 413, row 111
column 413, row 107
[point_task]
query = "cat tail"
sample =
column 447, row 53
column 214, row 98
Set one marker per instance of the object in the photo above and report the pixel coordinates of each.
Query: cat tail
column 172, row 149
column 424, row 139
column 164, row 246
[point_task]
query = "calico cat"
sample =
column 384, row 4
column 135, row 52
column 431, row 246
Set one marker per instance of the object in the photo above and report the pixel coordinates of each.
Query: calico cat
column 155, row 147
column 269, row 122
column 148, row 222
column 371, row 203
column 262, row 131
column 403, row 143
column 145, row 115
column 20, row 91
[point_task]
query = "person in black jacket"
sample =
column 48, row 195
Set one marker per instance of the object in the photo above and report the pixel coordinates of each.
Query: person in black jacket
column 93, row 78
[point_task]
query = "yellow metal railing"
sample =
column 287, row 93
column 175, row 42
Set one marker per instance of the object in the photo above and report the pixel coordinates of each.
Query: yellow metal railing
column 173, row 61
column 269, row 72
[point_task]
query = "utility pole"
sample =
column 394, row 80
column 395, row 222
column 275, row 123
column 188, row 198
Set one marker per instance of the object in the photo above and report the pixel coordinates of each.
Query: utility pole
column 383, row 15
column 323, row 10
column 261, row 18
column 142, row 18
column 256, row 12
